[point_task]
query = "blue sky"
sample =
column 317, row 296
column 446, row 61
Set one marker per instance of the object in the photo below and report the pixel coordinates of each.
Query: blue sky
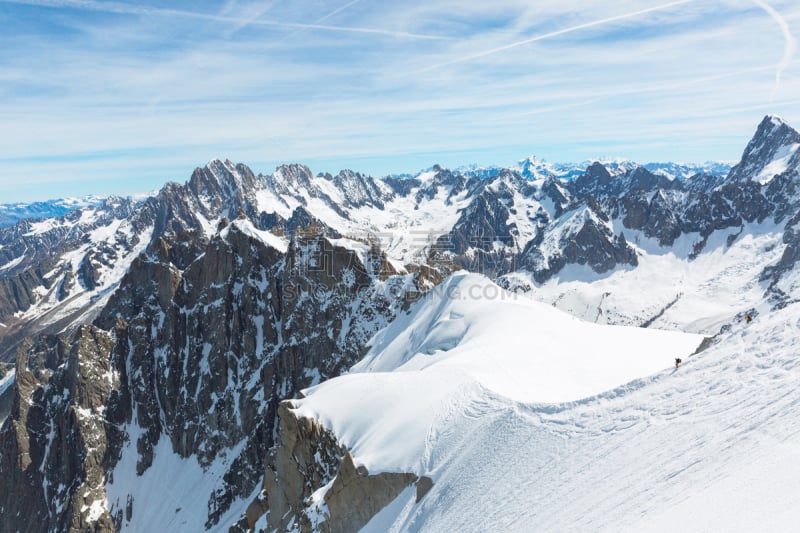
column 119, row 97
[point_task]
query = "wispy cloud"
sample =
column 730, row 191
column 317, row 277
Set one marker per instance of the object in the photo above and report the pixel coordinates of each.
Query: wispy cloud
column 336, row 11
column 131, row 9
column 92, row 99
column 790, row 43
column 550, row 35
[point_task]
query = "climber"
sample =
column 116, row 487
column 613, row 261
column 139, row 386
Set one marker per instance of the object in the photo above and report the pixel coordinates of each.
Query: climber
column 747, row 318
column 678, row 362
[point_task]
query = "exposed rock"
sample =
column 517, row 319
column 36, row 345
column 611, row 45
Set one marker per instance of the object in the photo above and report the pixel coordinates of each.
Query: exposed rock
column 58, row 430
column 308, row 457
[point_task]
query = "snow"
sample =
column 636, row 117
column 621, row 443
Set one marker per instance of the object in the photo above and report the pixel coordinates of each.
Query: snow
column 88, row 216
column 779, row 163
column 451, row 330
column 11, row 264
column 96, row 510
column 360, row 248
column 43, row 226
column 209, row 226
column 270, row 239
column 712, row 446
column 469, row 337
column 106, row 233
column 387, row 518
column 698, row 295
column 50, row 310
column 654, row 458
column 405, row 229
column 7, row 381
column 269, row 202
column 171, row 495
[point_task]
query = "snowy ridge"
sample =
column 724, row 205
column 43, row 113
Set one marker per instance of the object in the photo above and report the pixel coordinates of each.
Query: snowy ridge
column 270, row 239
column 534, row 168
column 682, row 451
column 468, row 336
column 639, row 457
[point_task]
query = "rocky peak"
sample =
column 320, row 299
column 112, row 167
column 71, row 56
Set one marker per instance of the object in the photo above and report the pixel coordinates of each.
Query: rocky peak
column 554, row 191
column 222, row 182
column 641, row 178
column 772, row 151
column 596, row 179
column 702, row 182
column 439, row 178
column 359, row 190
column 292, row 178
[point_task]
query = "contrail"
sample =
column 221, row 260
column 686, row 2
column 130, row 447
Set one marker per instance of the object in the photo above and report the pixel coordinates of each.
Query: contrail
column 789, row 47
column 336, row 11
column 130, row 9
column 557, row 33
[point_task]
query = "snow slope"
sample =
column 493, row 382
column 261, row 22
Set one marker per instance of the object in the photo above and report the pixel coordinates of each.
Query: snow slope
column 522, row 349
column 667, row 289
column 712, row 446
column 173, row 494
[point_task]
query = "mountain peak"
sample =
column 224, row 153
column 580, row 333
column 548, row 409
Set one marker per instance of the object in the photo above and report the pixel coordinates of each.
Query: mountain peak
column 774, row 120
column 773, row 150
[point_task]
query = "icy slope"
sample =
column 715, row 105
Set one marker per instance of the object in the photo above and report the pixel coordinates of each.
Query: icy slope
column 712, row 446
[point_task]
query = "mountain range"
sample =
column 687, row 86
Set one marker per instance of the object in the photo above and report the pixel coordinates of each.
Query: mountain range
column 476, row 349
column 10, row 214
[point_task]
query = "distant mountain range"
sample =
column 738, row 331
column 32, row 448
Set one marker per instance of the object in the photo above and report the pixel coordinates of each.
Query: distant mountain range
column 531, row 168
column 12, row 213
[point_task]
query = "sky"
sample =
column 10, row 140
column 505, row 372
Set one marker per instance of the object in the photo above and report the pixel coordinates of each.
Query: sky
column 116, row 97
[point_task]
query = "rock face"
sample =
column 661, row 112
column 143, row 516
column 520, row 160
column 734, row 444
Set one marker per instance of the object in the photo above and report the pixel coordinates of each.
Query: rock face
column 63, row 427
column 313, row 483
column 178, row 324
column 199, row 356
column 202, row 337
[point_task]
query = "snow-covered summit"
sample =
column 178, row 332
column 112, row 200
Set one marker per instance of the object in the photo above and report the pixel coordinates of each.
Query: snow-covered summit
column 469, row 336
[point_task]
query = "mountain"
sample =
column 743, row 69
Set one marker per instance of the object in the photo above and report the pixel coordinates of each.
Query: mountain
column 10, row 214
column 329, row 352
column 771, row 152
column 534, row 168
column 681, row 171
